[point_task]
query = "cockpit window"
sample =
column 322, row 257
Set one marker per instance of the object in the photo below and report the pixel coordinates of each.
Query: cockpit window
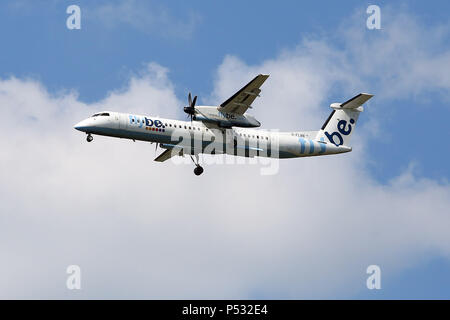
column 103, row 114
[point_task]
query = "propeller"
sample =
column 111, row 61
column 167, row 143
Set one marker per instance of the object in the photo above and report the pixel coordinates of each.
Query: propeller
column 190, row 109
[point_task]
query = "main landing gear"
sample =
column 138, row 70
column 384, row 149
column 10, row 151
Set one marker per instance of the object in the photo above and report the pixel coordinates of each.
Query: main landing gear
column 198, row 168
column 89, row 138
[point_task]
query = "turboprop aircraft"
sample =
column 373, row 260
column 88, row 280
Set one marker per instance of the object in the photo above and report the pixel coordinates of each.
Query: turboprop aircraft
column 229, row 129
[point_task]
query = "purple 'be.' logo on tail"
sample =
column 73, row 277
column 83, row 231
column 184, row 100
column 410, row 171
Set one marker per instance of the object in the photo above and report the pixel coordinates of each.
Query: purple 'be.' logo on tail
column 343, row 129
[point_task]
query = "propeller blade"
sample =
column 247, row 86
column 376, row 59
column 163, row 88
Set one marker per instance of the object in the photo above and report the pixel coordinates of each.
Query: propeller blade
column 190, row 109
column 193, row 102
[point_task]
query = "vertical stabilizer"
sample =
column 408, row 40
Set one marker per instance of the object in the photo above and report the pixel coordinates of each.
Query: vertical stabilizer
column 339, row 126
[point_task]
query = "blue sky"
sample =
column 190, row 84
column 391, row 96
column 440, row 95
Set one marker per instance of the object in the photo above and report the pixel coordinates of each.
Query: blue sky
column 192, row 40
column 98, row 59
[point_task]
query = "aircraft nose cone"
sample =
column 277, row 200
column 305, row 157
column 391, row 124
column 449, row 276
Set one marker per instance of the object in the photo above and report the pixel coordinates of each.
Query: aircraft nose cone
column 81, row 126
column 78, row 126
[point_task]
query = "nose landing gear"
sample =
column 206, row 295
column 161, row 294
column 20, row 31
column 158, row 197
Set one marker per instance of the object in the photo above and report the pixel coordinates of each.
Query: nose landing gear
column 89, row 138
column 198, row 168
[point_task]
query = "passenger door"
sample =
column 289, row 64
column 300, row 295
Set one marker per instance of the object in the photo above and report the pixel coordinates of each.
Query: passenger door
column 122, row 121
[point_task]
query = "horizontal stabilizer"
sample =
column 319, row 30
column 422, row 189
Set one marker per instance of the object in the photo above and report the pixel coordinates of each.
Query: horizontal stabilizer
column 356, row 101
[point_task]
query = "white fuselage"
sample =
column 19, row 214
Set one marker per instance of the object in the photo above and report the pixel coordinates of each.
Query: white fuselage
column 197, row 137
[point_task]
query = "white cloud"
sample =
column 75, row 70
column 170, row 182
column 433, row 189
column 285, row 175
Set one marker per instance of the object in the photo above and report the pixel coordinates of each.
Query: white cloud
column 148, row 230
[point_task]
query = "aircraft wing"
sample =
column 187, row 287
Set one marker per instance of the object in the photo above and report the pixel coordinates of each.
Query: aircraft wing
column 242, row 100
column 169, row 153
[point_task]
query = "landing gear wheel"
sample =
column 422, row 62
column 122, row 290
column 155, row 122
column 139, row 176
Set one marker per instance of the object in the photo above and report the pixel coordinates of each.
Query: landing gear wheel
column 89, row 138
column 198, row 170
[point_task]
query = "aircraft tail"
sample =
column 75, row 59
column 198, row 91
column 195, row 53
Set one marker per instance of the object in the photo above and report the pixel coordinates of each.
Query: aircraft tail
column 339, row 126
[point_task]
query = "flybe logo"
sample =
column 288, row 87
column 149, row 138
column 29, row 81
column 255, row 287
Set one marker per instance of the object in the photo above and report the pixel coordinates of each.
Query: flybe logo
column 227, row 115
column 152, row 125
column 344, row 129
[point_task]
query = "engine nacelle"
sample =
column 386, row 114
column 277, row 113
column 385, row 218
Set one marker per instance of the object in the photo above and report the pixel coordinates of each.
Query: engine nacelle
column 224, row 119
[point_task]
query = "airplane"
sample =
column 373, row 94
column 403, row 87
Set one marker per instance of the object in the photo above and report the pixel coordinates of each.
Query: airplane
column 229, row 129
